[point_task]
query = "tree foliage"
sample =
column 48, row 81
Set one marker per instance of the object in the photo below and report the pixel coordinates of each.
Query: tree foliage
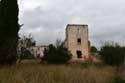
column 24, row 47
column 57, row 54
column 26, row 41
column 113, row 54
column 25, row 54
column 9, row 28
column 94, row 49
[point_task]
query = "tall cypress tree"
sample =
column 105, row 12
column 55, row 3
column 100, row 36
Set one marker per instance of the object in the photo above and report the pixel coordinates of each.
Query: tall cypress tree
column 9, row 28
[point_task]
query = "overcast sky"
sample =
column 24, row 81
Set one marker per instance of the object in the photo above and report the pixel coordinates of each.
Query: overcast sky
column 46, row 20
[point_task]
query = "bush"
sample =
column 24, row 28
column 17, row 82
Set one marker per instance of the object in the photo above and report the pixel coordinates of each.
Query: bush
column 26, row 54
column 112, row 54
column 117, row 80
column 56, row 54
column 94, row 49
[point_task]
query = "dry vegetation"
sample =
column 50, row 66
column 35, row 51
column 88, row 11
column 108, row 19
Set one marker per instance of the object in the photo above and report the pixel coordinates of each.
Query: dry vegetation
column 33, row 72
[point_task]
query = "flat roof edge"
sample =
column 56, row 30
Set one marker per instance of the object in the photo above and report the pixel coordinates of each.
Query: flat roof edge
column 77, row 25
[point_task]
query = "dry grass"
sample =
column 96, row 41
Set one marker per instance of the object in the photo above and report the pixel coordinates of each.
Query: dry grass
column 32, row 72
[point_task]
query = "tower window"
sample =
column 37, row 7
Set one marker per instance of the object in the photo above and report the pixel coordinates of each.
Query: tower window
column 79, row 40
column 79, row 54
column 78, row 29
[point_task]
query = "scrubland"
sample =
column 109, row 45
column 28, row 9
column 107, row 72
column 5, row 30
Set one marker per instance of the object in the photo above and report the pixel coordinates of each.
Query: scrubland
column 31, row 71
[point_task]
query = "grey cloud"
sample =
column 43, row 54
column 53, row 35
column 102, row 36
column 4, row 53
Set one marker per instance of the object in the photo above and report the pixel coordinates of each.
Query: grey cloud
column 47, row 19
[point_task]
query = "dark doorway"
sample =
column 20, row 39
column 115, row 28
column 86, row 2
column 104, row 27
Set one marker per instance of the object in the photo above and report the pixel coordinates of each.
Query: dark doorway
column 79, row 54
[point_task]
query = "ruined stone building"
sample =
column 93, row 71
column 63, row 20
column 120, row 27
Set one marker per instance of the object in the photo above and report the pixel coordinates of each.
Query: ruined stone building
column 77, row 41
column 38, row 51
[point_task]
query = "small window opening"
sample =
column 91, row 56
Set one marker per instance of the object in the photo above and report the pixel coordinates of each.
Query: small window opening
column 79, row 54
column 79, row 40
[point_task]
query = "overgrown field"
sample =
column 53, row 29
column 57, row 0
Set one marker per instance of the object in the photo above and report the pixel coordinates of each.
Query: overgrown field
column 76, row 72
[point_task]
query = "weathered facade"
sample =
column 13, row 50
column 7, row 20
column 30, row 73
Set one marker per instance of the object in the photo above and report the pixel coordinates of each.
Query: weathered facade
column 38, row 51
column 77, row 41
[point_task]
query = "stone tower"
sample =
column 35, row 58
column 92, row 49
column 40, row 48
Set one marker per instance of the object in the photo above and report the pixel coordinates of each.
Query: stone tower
column 77, row 41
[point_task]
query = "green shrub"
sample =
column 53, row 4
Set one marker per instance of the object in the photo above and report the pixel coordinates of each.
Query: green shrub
column 94, row 49
column 117, row 80
column 112, row 54
column 56, row 54
column 26, row 54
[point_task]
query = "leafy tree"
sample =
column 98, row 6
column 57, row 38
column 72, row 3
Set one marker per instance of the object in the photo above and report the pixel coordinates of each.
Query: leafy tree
column 25, row 54
column 24, row 47
column 112, row 54
column 57, row 54
column 27, row 41
column 94, row 49
column 9, row 28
